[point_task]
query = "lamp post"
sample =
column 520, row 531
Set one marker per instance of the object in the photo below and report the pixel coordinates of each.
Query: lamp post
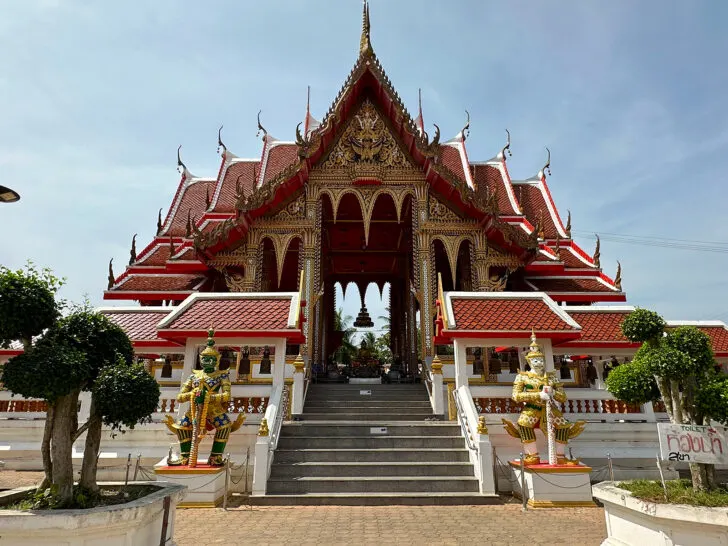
column 7, row 195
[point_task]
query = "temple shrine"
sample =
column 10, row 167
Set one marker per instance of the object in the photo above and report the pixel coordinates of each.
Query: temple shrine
column 490, row 301
column 368, row 195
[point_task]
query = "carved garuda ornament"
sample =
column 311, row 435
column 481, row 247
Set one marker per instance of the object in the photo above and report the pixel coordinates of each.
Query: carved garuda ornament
column 366, row 142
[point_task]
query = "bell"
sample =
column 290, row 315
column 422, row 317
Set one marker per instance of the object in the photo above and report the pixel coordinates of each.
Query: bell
column 363, row 320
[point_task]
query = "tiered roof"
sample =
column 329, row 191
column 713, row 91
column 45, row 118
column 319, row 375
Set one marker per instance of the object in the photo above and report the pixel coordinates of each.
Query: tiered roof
column 208, row 215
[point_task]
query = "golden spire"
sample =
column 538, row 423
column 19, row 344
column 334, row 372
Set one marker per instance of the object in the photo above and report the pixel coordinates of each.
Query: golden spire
column 365, row 44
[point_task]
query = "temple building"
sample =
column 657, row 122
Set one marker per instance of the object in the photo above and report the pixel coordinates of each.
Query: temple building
column 368, row 195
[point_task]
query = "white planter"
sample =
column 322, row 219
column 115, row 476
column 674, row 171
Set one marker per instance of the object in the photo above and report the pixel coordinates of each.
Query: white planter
column 137, row 522
column 631, row 521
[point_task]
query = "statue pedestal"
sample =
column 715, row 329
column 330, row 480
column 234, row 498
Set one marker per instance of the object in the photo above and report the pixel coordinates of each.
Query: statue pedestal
column 205, row 484
column 553, row 486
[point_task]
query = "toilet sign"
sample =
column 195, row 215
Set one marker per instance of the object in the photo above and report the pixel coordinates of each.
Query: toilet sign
column 365, row 393
column 378, row 430
column 693, row 443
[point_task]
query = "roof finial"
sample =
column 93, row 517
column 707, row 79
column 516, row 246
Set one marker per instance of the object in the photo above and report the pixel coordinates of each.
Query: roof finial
column 179, row 161
column 506, row 148
column 111, row 274
column 365, row 44
column 547, row 167
column 618, row 277
column 568, row 223
column 558, row 246
column 188, row 227
column 420, row 121
column 207, row 198
column 171, row 246
column 220, row 144
column 466, row 130
column 132, row 252
column 261, row 129
column 159, row 221
column 597, row 253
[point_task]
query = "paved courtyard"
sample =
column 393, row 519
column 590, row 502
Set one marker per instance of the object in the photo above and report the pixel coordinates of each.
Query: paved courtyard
column 495, row 525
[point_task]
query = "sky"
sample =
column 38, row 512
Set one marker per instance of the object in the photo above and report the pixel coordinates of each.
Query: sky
column 630, row 97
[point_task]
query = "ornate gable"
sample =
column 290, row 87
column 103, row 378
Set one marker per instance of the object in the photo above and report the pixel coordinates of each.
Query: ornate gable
column 367, row 147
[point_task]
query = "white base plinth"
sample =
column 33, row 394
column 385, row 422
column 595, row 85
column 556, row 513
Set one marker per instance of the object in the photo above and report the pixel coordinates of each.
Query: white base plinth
column 365, row 380
column 205, row 484
column 553, row 486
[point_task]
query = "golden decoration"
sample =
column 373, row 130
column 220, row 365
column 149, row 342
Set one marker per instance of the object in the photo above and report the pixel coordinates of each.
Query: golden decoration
column 264, row 430
column 482, row 428
column 436, row 366
column 299, row 364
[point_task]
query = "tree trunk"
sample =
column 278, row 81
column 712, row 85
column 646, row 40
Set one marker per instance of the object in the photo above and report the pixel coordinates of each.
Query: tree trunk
column 91, row 451
column 62, row 446
column 703, row 476
column 45, row 449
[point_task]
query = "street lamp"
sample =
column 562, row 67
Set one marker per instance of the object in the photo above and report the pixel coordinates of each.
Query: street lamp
column 7, row 195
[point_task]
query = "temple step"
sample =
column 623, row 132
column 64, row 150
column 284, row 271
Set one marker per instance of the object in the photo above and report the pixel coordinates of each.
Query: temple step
column 314, row 405
column 373, row 484
column 377, row 455
column 364, row 416
column 370, row 442
column 361, row 469
column 371, row 428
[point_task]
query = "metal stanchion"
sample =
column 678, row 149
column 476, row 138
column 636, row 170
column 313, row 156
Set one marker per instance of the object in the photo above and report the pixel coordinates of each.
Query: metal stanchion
column 128, row 466
column 524, row 498
column 611, row 468
column 227, row 481
column 136, row 466
column 662, row 476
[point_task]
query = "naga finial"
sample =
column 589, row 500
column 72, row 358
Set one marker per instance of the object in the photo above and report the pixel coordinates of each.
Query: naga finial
column 597, row 253
column 111, row 277
column 261, row 129
column 132, row 252
column 299, row 136
column 466, row 129
column 568, row 223
column 188, row 227
column 547, row 166
column 159, row 221
column 558, row 246
column 220, row 144
column 436, row 138
column 207, row 198
column 506, row 148
column 171, row 246
column 618, row 277
column 365, row 43
column 180, row 164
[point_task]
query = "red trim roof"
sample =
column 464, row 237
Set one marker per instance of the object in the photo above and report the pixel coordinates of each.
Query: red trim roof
column 140, row 324
column 601, row 329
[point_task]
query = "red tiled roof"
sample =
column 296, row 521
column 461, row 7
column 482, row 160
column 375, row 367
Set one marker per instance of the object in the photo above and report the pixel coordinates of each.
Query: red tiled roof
column 138, row 325
column 233, row 314
column 245, row 172
column 193, row 199
column 280, row 156
column 718, row 337
column 490, row 177
column 574, row 284
column 154, row 283
column 450, row 158
column 493, row 314
column 598, row 326
column 156, row 256
column 533, row 205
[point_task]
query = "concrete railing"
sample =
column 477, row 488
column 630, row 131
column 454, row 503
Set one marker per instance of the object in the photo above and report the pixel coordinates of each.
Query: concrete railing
column 479, row 446
column 582, row 404
column 265, row 444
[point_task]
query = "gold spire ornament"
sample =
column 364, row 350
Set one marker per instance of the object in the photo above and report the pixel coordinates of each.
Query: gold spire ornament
column 597, row 254
column 365, row 44
column 618, row 277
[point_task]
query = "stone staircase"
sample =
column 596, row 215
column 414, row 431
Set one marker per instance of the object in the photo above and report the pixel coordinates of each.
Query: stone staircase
column 378, row 448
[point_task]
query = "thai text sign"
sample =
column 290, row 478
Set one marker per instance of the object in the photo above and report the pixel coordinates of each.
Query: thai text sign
column 693, row 443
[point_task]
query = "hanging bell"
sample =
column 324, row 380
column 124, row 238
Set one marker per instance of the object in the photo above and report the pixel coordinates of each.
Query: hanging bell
column 363, row 320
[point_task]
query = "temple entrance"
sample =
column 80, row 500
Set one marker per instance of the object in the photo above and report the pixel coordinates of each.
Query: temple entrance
column 367, row 245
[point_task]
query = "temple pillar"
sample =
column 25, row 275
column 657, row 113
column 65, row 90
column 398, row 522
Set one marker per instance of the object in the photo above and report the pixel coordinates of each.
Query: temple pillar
column 422, row 262
column 309, row 295
column 461, row 357
column 279, row 362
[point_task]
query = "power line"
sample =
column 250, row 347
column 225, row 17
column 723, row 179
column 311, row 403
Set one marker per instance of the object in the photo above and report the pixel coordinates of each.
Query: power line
column 678, row 244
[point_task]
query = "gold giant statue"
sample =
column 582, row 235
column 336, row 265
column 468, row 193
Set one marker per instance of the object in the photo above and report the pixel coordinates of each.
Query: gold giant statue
column 538, row 391
column 208, row 392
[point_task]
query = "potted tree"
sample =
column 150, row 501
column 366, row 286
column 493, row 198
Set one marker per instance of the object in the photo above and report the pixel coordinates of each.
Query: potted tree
column 675, row 366
column 82, row 351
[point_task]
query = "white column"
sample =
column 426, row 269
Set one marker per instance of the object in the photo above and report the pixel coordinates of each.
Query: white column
column 438, row 399
column 548, row 354
column 260, row 470
column 279, row 362
column 486, row 465
column 298, row 383
column 461, row 372
column 189, row 365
